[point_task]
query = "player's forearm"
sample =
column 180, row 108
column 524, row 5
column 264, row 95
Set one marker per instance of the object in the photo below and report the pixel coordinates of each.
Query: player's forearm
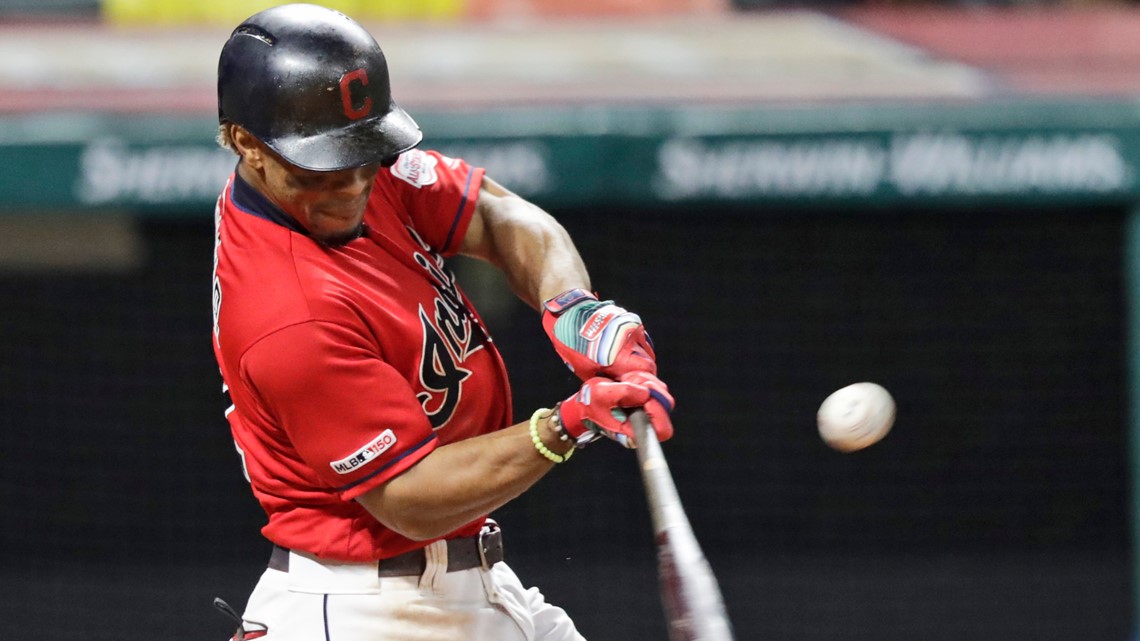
column 460, row 482
column 538, row 257
column 531, row 248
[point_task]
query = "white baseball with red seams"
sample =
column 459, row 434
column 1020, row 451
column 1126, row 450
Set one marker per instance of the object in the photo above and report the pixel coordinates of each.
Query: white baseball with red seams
column 856, row 416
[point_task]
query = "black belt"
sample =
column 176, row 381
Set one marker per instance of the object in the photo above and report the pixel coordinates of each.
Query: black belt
column 465, row 553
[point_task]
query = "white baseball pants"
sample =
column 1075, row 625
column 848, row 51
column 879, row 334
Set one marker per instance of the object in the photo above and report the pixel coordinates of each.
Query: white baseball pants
column 328, row 601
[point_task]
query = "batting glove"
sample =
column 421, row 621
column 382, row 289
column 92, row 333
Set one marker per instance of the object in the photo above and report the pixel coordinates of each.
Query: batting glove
column 601, row 408
column 597, row 337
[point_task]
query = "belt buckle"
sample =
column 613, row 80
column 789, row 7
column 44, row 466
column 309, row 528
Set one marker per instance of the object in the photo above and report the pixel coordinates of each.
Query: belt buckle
column 490, row 538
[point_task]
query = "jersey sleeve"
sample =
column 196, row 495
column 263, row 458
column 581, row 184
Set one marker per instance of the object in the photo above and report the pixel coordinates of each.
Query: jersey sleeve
column 438, row 193
column 348, row 415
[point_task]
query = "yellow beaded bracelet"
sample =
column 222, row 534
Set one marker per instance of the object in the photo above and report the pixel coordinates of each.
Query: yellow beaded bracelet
column 537, row 440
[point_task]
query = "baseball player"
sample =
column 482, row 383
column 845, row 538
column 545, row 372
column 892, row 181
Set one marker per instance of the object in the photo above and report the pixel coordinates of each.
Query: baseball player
column 370, row 407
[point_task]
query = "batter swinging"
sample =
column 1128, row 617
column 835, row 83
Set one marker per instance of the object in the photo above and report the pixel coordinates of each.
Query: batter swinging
column 370, row 406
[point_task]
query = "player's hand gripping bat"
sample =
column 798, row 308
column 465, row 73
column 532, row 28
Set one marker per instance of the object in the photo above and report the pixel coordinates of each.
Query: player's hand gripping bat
column 690, row 594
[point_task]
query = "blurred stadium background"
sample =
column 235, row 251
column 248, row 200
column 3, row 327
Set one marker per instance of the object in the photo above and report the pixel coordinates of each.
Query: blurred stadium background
column 938, row 197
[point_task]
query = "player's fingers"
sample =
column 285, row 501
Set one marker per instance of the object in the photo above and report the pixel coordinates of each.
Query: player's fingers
column 614, row 394
column 635, row 354
column 659, row 418
column 643, row 343
column 658, row 390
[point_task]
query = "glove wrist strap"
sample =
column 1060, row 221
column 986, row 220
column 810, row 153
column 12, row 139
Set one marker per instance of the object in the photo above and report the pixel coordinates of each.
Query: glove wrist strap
column 567, row 299
column 582, row 440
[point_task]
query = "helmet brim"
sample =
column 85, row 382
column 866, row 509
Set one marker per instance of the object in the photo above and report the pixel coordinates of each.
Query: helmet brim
column 371, row 141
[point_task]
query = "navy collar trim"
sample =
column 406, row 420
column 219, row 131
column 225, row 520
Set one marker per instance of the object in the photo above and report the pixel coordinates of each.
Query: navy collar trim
column 254, row 203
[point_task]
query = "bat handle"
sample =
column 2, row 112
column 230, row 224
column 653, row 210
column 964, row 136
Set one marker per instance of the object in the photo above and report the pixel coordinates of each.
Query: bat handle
column 658, row 481
column 642, row 431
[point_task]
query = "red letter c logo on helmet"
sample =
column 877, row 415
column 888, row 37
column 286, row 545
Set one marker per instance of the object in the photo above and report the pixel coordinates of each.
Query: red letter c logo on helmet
column 352, row 111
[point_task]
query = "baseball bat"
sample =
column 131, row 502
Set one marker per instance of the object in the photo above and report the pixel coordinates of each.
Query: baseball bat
column 690, row 594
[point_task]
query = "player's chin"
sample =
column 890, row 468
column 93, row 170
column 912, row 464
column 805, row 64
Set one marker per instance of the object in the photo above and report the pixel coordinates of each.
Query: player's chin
column 335, row 229
column 337, row 232
column 339, row 237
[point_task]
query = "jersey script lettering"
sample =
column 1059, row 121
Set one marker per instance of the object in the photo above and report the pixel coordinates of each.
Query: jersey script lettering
column 449, row 338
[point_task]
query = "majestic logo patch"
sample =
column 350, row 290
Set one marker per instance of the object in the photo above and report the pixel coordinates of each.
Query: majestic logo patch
column 370, row 451
column 416, row 168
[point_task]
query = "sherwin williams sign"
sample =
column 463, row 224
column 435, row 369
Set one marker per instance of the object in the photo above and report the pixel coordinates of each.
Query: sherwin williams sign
column 890, row 166
column 875, row 167
column 110, row 171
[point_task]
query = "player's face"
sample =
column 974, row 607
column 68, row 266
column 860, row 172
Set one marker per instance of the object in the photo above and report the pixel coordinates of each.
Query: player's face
column 329, row 204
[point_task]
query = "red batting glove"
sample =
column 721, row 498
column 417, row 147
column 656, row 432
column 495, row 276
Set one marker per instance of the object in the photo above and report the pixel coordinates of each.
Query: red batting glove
column 597, row 337
column 600, row 407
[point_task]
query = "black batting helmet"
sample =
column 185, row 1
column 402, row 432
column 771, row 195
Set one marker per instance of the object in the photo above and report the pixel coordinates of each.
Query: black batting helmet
column 313, row 85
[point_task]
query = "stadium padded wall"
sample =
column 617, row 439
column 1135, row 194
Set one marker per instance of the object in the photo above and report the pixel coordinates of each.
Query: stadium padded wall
column 996, row 509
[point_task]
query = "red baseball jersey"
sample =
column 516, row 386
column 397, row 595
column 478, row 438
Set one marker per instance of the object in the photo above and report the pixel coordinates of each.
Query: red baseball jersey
column 347, row 365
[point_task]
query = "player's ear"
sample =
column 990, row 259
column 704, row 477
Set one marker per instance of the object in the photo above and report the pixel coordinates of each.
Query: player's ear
column 247, row 146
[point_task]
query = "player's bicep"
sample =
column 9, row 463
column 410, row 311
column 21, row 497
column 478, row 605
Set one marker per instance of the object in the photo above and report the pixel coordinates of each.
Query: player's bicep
column 500, row 223
column 477, row 240
column 349, row 415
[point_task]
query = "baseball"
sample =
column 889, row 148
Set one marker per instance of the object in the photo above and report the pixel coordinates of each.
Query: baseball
column 856, row 416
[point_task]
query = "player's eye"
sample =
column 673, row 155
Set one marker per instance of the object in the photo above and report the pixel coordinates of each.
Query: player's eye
column 308, row 181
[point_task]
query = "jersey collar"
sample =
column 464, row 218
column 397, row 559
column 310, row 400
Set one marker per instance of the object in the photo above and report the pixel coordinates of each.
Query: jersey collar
column 254, row 203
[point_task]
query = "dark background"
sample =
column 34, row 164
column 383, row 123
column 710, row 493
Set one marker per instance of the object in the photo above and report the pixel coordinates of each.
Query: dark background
column 996, row 509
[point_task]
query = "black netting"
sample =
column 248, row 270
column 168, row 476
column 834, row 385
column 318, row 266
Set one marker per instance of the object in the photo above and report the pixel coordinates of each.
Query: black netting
column 996, row 509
